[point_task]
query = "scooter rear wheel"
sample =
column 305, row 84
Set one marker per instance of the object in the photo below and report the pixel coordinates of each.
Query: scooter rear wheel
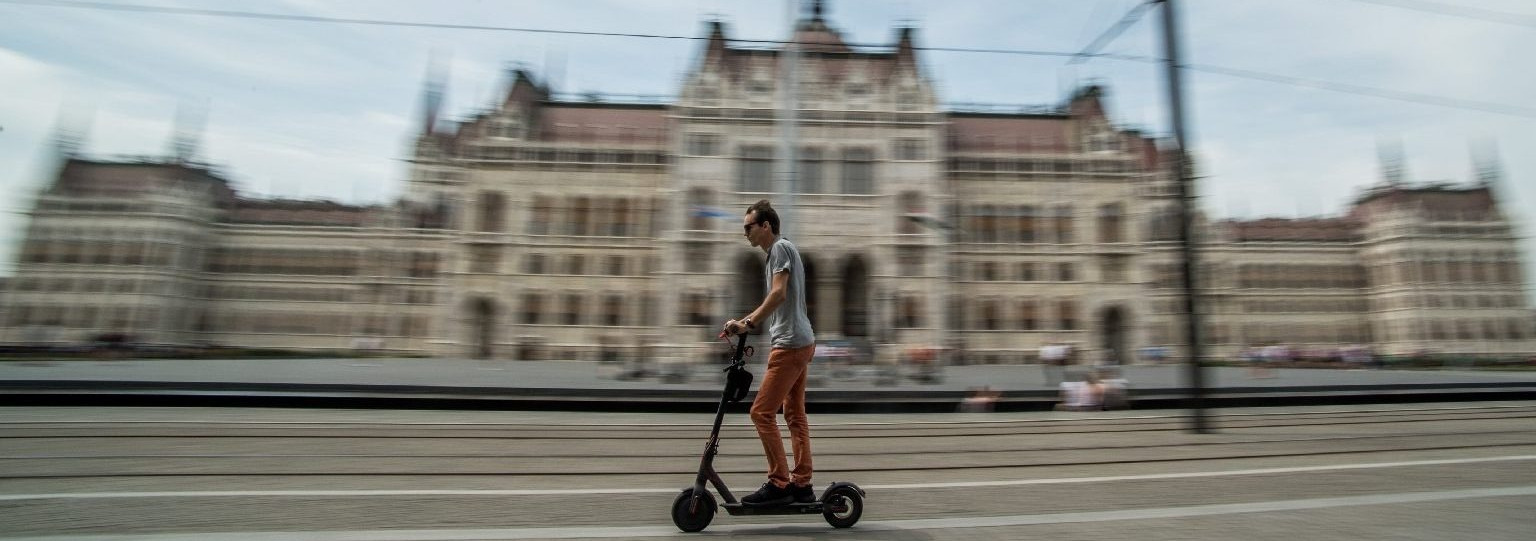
column 843, row 507
column 690, row 518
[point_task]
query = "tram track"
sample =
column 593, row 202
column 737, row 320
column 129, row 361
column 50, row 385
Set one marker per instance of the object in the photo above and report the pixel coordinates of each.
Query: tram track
column 942, row 446
column 12, row 431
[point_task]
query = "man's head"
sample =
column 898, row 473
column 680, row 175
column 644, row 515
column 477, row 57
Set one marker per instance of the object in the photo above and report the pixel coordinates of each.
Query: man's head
column 761, row 224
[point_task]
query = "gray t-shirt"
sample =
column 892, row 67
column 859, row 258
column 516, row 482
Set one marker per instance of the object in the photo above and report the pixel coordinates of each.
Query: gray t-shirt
column 788, row 325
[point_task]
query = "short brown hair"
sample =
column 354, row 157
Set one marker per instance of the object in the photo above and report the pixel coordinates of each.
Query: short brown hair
column 765, row 213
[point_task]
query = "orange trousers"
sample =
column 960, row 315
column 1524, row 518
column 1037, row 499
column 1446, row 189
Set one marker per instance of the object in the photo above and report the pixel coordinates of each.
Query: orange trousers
column 784, row 386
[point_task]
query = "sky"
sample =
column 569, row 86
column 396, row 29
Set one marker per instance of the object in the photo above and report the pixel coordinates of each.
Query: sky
column 321, row 110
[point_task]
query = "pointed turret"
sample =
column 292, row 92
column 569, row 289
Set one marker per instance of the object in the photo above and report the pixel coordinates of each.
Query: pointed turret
column 813, row 35
column 1087, row 101
column 714, row 49
column 1486, row 166
column 187, row 134
column 432, row 91
column 1389, row 152
column 69, row 132
column 524, row 89
column 906, row 52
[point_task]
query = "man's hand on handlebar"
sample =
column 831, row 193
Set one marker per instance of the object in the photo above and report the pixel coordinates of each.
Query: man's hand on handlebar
column 737, row 326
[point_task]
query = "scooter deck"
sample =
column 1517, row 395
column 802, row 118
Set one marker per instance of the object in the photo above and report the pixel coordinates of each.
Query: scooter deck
column 786, row 509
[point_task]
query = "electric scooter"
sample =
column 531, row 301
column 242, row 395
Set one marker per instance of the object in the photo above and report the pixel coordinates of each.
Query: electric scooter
column 841, row 504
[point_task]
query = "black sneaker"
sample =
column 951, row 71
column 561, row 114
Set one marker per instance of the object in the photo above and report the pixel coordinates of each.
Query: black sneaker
column 802, row 493
column 769, row 495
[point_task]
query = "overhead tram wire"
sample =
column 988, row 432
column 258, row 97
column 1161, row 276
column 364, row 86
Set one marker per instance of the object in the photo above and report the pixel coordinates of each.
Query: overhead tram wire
column 1114, row 31
column 1465, row 12
column 1397, row 95
column 1409, row 97
column 488, row 28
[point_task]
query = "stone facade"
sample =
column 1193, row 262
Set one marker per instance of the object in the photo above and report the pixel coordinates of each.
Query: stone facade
column 547, row 229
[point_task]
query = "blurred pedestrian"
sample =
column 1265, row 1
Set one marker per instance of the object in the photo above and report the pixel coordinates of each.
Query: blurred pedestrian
column 1116, row 389
column 980, row 400
column 1053, row 357
column 1086, row 394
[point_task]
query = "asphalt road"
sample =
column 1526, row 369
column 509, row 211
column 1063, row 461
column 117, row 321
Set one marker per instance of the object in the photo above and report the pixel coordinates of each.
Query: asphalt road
column 1424, row 471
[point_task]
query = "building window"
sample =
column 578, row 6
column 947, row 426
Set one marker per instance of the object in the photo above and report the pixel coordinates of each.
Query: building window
column 858, row 171
column 755, row 169
column 909, row 260
column 908, row 150
column 984, row 224
column 909, row 312
column 1109, row 223
column 615, row 265
column 533, row 308
column 580, row 216
column 576, row 265
column 613, row 310
column 533, row 264
column 812, row 171
column 1067, row 310
column 1029, row 316
column 1025, row 221
column 703, row 144
column 1065, row 272
column 572, row 309
column 909, row 204
column 699, row 201
column 1027, row 272
column 619, row 224
column 1062, row 224
column 492, row 210
column 986, row 271
column 696, row 256
column 1113, row 268
column 695, row 309
column 484, row 258
column 991, row 319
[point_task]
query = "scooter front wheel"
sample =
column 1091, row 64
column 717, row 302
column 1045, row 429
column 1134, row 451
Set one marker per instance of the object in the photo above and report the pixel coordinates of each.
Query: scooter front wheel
column 691, row 516
column 843, row 507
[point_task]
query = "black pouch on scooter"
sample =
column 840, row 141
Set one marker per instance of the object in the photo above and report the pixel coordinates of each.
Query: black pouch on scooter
column 737, row 382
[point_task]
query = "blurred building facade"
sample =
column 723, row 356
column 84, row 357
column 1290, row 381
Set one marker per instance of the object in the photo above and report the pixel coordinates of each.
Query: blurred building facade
column 543, row 228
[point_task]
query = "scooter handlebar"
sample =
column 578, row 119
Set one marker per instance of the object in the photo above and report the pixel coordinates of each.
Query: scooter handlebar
column 741, row 351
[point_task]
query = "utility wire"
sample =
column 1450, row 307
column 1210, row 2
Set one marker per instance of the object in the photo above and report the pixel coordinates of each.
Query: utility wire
column 1398, row 95
column 1487, row 15
column 1410, row 97
column 1111, row 33
column 449, row 26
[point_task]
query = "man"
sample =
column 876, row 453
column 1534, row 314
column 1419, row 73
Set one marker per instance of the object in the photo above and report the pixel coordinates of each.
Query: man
column 793, row 346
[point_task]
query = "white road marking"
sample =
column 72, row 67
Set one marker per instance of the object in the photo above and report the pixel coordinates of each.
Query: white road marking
column 674, row 490
column 632, row 532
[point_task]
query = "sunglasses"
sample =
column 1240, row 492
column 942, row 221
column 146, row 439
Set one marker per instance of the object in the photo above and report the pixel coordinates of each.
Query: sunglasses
column 748, row 227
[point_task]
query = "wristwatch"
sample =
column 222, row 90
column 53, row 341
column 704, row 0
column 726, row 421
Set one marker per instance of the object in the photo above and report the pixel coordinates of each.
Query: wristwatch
column 749, row 323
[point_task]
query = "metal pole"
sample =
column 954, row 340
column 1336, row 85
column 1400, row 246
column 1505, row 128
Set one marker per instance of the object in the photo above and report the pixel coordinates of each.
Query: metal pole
column 1196, row 372
column 788, row 116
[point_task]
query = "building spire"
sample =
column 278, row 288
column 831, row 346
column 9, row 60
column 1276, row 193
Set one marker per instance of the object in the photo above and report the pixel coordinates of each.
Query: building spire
column 1389, row 152
column 1486, row 166
column 432, row 93
column 70, row 128
column 187, row 134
